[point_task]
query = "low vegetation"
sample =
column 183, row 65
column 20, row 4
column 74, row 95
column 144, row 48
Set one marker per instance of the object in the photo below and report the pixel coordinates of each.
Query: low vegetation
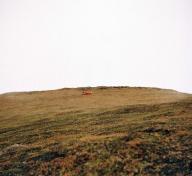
column 116, row 131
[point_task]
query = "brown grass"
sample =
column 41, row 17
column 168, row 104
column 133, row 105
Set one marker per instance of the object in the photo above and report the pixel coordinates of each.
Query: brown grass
column 114, row 131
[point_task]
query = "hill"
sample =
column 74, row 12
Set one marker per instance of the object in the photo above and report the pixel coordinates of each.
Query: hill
column 114, row 131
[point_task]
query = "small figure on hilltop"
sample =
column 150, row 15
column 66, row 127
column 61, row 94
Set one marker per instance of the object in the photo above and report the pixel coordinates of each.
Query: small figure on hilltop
column 87, row 92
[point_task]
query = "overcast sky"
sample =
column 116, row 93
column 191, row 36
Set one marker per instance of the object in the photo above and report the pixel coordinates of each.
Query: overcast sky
column 49, row 44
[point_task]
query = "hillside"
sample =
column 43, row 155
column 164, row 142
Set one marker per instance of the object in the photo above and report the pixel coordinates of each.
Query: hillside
column 114, row 131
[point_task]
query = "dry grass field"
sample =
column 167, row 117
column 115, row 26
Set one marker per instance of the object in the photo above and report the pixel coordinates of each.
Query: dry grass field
column 116, row 131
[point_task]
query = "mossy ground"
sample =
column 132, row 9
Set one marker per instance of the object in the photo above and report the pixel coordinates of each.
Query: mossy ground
column 121, row 139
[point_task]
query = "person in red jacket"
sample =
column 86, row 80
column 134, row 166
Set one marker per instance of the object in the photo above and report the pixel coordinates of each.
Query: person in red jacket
column 87, row 92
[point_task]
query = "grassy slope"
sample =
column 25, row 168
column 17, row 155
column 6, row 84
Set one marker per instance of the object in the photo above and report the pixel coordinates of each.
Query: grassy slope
column 115, row 131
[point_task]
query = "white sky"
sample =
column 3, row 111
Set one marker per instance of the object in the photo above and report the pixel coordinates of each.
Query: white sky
column 49, row 44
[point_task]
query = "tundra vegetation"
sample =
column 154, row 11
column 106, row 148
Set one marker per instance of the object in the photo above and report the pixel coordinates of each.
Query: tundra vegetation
column 115, row 131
